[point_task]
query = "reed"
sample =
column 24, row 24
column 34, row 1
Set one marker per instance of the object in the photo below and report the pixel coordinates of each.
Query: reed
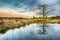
column 6, row 24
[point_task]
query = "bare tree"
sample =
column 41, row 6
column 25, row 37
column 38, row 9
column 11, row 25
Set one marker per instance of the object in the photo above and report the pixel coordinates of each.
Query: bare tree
column 45, row 12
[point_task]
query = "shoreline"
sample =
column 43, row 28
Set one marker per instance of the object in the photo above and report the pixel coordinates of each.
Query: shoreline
column 7, row 24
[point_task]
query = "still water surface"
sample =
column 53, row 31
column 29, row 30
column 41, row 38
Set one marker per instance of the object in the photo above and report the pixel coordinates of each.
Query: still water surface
column 31, row 32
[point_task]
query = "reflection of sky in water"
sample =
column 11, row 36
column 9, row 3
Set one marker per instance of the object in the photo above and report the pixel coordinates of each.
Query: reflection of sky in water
column 30, row 32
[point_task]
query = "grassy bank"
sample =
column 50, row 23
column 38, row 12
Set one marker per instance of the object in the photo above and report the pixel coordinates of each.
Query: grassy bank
column 6, row 24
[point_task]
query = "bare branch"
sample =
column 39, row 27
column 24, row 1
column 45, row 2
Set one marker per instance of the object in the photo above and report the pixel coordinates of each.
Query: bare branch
column 45, row 11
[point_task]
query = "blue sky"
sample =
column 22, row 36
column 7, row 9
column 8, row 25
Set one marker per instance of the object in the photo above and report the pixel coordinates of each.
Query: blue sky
column 28, row 5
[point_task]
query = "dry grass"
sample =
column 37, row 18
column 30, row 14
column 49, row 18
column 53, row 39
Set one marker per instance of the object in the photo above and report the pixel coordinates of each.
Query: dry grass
column 6, row 24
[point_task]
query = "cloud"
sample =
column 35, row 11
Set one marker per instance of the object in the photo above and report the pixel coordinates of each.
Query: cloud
column 57, row 11
column 18, row 4
column 27, row 5
column 49, row 2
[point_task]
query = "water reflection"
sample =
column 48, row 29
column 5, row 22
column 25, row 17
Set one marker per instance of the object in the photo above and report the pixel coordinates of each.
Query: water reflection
column 30, row 32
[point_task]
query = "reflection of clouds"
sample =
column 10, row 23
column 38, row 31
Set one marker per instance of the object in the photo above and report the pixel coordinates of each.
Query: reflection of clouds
column 25, row 32
column 56, row 27
column 30, row 32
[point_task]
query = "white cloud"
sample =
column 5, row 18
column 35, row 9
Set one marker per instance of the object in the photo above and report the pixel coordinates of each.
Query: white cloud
column 48, row 1
column 57, row 10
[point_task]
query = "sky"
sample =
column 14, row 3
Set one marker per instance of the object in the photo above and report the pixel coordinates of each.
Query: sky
column 28, row 5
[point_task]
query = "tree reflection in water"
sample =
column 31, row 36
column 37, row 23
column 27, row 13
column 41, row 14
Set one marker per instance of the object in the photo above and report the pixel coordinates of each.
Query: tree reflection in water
column 43, row 31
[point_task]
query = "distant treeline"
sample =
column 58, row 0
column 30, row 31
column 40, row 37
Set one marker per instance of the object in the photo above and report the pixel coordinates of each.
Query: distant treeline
column 11, row 18
column 56, row 17
column 19, row 18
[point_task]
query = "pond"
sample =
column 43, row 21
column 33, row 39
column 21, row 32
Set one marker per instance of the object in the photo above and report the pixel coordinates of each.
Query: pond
column 32, row 32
